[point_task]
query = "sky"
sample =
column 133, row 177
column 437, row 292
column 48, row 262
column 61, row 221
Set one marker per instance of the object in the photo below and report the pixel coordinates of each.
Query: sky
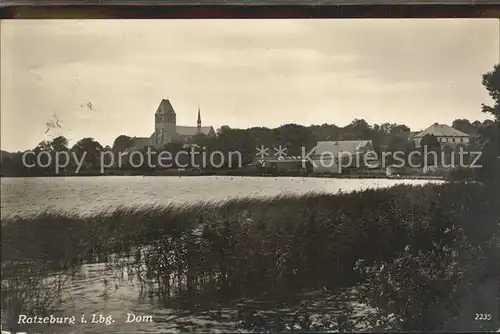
column 105, row 78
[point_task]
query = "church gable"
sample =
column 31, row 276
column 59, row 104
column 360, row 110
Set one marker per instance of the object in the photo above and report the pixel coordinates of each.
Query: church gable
column 208, row 131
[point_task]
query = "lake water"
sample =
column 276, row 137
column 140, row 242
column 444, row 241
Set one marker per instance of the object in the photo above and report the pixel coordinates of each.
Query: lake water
column 87, row 295
column 91, row 194
column 98, row 289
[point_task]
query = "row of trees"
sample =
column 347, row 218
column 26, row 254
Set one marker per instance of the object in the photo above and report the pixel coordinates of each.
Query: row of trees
column 12, row 164
column 391, row 137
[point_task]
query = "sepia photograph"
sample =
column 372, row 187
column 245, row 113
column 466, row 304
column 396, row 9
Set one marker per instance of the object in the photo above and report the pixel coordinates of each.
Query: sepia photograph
column 260, row 175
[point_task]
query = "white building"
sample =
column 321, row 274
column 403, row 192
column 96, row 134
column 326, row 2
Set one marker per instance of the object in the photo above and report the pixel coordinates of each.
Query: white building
column 445, row 134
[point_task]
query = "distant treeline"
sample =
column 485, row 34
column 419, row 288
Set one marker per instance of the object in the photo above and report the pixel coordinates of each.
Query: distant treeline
column 387, row 136
column 296, row 138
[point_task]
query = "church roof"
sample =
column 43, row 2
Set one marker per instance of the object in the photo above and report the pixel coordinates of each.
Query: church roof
column 192, row 130
column 165, row 107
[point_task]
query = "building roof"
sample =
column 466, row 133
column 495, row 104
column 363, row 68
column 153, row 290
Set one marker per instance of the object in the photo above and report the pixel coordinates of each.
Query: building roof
column 336, row 147
column 441, row 130
column 165, row 107
column 193, row 130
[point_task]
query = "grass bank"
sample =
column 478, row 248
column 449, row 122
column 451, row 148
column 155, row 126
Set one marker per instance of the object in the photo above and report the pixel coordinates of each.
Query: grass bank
column 418, row 248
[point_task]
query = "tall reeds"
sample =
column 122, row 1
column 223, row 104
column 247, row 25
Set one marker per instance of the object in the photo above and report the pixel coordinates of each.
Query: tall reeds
column 273, row 247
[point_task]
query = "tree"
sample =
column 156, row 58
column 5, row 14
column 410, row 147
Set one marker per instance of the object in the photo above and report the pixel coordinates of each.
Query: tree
column 60, row 144
column 431, row 142
column 491, row 81
column 90, row 149
column 360, row 129
column 477, row 124
column 121, row 143
column 43, row 146
column 223, row 129
column 293, row 137
column 325, row 132
column 465, row 126
column 388, row 128
column 400, row 128
column 396, row 143
column 491, row 133
column 487, row 122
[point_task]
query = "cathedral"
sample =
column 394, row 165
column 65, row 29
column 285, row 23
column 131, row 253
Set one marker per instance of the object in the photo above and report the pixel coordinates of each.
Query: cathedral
column 167, row 130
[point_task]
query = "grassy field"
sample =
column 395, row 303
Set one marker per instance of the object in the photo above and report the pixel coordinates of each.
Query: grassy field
column 418, row 249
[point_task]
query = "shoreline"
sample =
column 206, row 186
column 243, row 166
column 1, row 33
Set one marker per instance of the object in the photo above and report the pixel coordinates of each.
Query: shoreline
column 233, row 174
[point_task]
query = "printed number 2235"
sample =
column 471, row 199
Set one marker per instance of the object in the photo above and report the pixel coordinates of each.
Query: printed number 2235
column 483, row 316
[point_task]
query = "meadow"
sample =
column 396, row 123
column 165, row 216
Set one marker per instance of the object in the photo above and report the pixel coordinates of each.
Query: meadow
column 415, row 250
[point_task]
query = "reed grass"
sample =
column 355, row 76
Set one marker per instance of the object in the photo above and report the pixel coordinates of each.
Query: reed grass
column 262, row 247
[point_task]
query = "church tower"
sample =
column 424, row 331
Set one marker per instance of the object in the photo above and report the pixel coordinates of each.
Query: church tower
column 165, row 124
column 199, row 121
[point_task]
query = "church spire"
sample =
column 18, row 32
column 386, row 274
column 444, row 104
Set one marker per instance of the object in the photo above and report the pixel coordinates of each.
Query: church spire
column 199, row 120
